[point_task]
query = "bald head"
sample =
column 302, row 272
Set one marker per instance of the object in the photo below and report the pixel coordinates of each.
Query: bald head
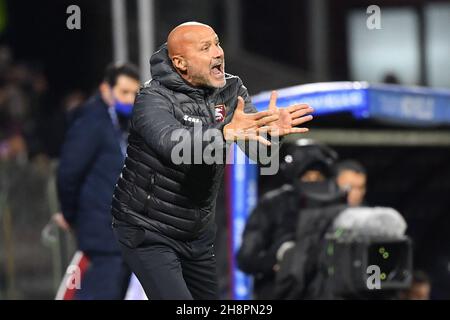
column 196, row 55
column 184, row 35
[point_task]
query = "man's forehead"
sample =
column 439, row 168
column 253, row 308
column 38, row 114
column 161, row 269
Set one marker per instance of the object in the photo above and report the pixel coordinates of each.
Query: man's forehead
column 350, row 172
column 124, row 80
column 200, row 35
column 212, row 36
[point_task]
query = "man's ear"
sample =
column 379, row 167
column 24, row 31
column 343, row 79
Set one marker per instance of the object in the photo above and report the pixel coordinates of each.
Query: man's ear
column 105, row 92
column 104, row 89
column 179, row 63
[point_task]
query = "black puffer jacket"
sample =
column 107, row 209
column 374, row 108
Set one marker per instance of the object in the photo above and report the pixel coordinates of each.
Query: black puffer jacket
column 177, row 200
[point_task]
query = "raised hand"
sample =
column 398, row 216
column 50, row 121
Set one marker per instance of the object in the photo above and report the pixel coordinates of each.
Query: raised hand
column 247, row 126
column 289, row 118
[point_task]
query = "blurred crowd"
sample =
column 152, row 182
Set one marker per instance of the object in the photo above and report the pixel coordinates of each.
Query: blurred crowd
column 32, row 118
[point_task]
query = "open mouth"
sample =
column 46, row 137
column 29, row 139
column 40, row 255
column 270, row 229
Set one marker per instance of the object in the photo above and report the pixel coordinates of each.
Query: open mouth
column 217, row 69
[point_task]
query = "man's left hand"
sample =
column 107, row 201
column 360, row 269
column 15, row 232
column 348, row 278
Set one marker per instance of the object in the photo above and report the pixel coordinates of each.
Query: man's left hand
column 289, row 118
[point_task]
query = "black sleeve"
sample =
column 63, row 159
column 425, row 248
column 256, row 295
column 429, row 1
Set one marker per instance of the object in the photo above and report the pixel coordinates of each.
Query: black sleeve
column 154, row 121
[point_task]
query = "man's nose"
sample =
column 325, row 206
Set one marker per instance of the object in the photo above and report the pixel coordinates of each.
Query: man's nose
column 217, row 52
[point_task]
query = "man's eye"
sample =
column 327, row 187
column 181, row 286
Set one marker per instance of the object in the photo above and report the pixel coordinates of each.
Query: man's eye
column 205, row 48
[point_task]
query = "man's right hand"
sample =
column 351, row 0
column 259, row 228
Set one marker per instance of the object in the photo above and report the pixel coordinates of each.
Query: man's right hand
column 246, row 126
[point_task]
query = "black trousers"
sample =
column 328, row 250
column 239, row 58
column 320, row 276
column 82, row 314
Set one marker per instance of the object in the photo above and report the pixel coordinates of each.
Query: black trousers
column 169, row 268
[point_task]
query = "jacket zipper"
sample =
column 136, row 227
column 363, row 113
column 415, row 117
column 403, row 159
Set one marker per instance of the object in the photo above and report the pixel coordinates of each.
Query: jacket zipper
column 210, row 111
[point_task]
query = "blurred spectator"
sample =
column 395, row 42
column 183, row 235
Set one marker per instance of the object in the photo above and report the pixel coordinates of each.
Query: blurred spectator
column 33, row 110
column 420, row 287
column 24, row 106
column 91, row 160
column 13, row 148
column 351, row 177
column 12, row 143
column 41, row 131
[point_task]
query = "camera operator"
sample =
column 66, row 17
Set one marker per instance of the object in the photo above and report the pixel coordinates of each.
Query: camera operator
column 270, row 229
column 345, row 252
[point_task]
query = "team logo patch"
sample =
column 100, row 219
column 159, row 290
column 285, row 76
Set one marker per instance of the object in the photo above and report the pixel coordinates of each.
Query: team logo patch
column 220, row 113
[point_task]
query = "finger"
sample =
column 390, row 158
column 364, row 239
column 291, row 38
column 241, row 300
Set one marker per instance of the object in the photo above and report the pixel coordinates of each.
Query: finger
column 264, row 129
column 284, row 132
column 273, row 100
column 296, row 107
column 301, row 120
column 268, row 129
column 261, row 114
column 275, row 131
column 255, row 137
column 240, row 104
column 298, row 130
column 262, row 140
column 266, row 120
column 300, row 113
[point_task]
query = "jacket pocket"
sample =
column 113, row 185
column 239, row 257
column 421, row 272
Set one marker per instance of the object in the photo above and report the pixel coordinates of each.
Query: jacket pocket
column 129, row 235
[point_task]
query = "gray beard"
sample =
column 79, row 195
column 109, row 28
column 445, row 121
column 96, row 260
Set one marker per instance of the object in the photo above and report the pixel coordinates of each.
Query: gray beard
column 203, row 81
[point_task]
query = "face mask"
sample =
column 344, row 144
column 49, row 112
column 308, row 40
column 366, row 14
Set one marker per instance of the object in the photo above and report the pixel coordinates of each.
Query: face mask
column 123, row 109
column 320, row 194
